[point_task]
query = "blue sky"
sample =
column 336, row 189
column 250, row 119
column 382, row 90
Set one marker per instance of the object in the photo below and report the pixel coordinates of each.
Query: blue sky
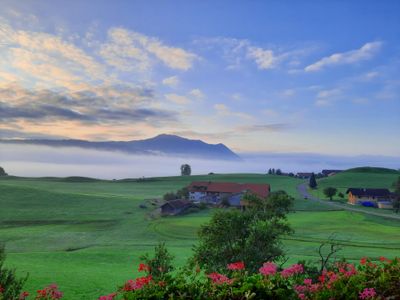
column 259, row 76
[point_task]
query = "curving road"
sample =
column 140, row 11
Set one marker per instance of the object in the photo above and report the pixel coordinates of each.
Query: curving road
column 302, row 190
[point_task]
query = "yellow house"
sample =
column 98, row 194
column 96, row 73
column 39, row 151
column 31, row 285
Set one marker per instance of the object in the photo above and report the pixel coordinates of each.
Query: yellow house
column 373, row 196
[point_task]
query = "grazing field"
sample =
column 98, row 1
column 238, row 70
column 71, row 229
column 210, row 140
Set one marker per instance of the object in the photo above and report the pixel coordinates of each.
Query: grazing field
column 358, row 178
column 366, row 177
column 87, row 235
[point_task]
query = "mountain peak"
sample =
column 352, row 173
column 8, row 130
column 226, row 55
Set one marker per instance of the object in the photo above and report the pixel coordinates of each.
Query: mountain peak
column 165, row 144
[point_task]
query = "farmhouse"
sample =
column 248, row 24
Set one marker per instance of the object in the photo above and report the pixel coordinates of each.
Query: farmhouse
column 330, row 172
column 303, row 175
column 215, row 192
column 381, row 198
column 175, row 207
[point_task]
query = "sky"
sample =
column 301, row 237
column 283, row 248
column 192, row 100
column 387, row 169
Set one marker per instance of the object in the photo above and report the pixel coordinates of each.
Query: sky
column 259, row 76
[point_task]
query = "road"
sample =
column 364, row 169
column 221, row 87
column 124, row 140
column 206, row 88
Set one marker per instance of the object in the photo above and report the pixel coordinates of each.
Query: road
column 302, row 190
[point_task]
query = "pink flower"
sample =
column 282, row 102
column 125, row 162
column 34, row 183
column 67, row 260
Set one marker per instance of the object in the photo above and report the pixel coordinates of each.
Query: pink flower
column 108, row 297
column 219, row 278
column 49, row 292
column 308, row 281
column 292, row 270
column 137, row 284
column 367, row 293
column 236, row 266
column 268, row 268
column 143, row 267
column 23, row 296
column 301, row 296
column 363, row 260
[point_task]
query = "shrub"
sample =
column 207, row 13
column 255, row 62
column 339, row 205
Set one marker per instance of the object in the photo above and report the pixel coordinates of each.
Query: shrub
column 368, row 280
column 10, row 284
column 158, row 266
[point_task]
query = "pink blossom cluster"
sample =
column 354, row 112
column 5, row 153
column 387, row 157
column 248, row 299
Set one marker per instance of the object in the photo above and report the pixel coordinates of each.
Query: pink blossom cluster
column 108, row 297
column 219, row 278
column 49, row 292
column 347, row 270
column 292, row 270
column 137, row 284
column 268, row 268
column 308, row 287
column 236, row 266
column 367, row 293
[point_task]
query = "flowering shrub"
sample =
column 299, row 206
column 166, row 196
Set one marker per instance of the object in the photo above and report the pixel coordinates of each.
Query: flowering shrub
column 50, row 292
column 343, row 281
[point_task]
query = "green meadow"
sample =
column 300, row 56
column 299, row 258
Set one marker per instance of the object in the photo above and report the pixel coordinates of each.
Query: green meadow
column 87, row 235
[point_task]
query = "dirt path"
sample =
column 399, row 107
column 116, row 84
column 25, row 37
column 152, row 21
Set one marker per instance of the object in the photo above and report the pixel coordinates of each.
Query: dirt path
column 302, row 190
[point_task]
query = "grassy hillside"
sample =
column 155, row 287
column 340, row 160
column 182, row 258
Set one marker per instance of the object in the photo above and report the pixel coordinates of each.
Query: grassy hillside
column 366, row 177
column 87, row 235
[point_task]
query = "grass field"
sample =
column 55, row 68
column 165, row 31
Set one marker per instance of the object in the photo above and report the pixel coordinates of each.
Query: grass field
column 358, row 178
column 87, row 235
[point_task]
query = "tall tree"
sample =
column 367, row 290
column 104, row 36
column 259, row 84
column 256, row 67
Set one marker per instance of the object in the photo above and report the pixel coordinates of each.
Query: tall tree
column 312, row 183
column 330, row 192
column 2, row 172
column 251, row 236
column 186, row 170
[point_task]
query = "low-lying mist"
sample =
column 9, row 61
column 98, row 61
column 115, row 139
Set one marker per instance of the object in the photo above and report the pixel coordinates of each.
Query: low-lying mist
column 37, row 161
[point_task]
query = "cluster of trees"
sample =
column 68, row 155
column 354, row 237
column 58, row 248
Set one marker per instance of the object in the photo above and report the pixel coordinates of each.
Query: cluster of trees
column 183, row 193
column 274, row 172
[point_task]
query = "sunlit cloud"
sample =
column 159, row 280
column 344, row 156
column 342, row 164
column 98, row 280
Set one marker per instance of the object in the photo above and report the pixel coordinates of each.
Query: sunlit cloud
column 178, row 99
column 197, row 93
column 127, row 50
column 172, row 81
column 367, row 51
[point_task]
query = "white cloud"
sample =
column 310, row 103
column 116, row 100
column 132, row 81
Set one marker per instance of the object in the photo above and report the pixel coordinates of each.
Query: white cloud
column 265, row 59
column 178, row 99
column 197, row 93
column 172, row 81
column 127, row 50
column 224, row 110
column 366, row 52
column 327, row 97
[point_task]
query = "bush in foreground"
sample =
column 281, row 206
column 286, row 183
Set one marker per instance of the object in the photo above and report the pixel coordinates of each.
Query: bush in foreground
column 342, row 281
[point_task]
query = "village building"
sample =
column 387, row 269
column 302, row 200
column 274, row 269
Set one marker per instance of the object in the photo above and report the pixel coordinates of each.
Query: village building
column 381, row 198
column 217, row 192
column 175, row 207
column 303, row 175
column 330, row 172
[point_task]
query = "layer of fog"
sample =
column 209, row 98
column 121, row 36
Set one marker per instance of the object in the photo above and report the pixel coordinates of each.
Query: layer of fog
column 36, row 161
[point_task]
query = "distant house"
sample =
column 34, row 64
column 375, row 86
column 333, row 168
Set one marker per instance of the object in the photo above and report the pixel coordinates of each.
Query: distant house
column 215, row 192
column 330, row 172
column 303, row 175
column 175, row 207
column 381, row 198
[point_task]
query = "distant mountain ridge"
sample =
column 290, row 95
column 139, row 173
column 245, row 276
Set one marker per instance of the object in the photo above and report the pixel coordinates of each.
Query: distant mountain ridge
column 163, row 144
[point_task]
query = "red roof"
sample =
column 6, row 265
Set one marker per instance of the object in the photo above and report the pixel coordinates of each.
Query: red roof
column 261, row 190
